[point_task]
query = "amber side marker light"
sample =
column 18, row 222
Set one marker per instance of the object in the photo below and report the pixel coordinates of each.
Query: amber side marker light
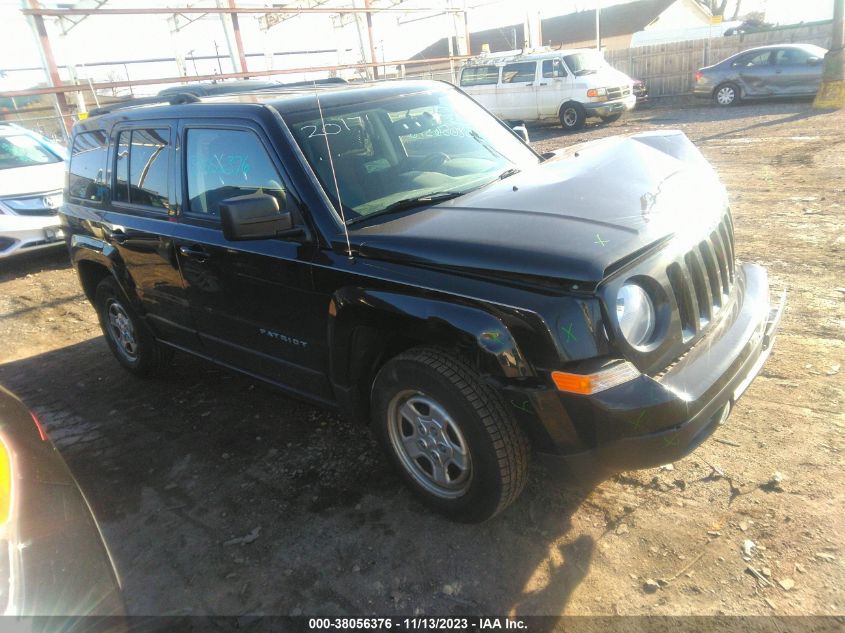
column 587, row 384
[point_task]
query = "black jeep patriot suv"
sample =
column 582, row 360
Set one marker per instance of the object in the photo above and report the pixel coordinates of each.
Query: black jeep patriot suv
column 394, row 252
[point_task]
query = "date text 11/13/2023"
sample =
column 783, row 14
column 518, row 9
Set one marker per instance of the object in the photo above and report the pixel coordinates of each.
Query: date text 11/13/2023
column 419, row 623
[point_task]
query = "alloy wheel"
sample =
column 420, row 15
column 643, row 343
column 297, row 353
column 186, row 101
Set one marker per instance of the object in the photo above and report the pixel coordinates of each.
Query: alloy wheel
column 122, row 331
column 429, row 444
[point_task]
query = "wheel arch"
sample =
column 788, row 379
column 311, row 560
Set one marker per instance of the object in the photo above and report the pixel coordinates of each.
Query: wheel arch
column 734, row 82
column 95, row 260
column 368, row 327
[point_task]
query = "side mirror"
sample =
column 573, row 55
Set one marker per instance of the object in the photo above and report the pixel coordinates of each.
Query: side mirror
column 521, row 131
column 255, row 216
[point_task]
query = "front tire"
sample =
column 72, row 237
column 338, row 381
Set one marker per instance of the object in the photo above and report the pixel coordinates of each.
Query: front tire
column 128, row 337
column 726, row 95
column 572, row 116
column 449, row 435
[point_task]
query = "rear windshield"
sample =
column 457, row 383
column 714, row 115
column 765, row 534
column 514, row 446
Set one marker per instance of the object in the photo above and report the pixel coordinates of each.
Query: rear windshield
column 20, row 150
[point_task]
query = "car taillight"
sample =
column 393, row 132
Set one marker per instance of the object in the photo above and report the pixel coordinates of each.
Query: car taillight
column 698, row 75
column 5, row 482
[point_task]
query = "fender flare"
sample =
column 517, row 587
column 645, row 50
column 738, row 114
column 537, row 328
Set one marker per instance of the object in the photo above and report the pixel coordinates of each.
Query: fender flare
column 84, row 248
column 428, row 319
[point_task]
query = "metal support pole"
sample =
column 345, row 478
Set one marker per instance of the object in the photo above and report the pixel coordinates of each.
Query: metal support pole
column 238, row 42
column 598, row 26
column 49, row 62
column 832, row 90
column 370, row 36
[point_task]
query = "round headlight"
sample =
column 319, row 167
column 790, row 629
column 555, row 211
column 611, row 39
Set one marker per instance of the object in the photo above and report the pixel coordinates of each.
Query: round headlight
column 635, row 312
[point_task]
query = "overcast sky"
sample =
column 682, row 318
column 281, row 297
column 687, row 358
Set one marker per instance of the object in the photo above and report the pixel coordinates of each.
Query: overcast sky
column 109, row 38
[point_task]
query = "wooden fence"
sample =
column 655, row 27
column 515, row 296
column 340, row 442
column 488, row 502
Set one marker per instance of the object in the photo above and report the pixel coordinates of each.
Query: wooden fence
column 669, row 69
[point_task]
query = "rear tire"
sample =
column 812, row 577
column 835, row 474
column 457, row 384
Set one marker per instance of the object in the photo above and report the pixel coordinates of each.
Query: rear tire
column 613, row 118
column 572, row 116
column 449, row 435
column 128, row 337
column 726, row 95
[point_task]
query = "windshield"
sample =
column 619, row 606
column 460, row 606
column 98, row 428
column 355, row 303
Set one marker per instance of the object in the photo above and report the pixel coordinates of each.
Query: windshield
column 20, row 150
column 399, row 148
column 584, row 62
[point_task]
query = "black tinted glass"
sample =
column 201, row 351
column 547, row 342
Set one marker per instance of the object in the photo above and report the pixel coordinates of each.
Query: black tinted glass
column 87, row 164
column 148, row 167
column 121, row 168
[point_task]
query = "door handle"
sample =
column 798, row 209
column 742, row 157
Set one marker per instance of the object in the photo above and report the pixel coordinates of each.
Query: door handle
column 194, row 252
column 543, row 84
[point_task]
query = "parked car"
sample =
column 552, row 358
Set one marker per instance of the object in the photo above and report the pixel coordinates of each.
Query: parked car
column 394, row 252
column 569, row 86
column 55, row 561
column 781, row 70
column 31, row 179
column 640, row 91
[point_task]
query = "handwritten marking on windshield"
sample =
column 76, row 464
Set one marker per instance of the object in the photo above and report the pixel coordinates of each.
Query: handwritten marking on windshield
column 600, row 241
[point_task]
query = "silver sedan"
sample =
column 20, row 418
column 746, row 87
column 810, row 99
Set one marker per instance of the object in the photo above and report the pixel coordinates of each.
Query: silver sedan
column 782, row 70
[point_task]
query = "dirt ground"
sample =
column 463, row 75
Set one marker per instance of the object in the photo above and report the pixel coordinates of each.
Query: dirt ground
column 175, row 469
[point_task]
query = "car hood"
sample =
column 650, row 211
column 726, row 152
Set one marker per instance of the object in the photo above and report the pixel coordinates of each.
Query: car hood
column 579, row 216
column 32, row 179
column 606, row 78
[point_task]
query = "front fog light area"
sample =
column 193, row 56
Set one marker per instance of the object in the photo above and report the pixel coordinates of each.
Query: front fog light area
column 635, row 314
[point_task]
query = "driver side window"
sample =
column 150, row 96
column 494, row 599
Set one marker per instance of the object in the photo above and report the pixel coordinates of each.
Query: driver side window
column 222, row 164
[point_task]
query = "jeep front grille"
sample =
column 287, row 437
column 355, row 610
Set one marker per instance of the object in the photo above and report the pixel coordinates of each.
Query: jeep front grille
column 702, row 279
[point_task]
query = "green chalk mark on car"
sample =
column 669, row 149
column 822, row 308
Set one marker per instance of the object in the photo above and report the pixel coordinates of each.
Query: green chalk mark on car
column 600, row 241
column 670, row 441
column 522, row 406
column 570, row 336
column 636, row 425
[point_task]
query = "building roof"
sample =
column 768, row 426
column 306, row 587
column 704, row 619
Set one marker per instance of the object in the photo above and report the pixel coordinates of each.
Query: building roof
column 618, row 19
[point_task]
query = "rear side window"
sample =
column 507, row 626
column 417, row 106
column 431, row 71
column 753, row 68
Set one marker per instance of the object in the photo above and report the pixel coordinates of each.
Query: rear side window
column 480, row 76
column 87, row 165
column 141, row 167
column 519, row 72
column 223, row 164
column 754, row 59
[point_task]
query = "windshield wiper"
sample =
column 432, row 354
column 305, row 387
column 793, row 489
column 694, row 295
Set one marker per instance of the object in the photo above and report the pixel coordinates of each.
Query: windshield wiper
column 410, row 203
column 509, row 172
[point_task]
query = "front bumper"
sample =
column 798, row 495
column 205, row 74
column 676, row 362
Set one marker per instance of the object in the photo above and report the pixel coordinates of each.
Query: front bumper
column 608, row 108
column 652, row 421
column 20, row 234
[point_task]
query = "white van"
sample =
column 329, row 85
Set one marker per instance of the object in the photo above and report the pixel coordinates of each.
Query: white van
column 568, row 85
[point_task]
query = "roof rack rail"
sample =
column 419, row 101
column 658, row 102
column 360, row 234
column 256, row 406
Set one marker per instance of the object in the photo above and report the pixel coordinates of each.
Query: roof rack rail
column 176, row 98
